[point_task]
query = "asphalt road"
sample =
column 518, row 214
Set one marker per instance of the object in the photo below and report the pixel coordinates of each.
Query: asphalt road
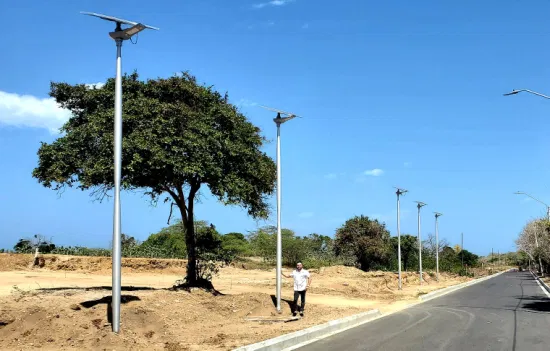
column 508, row 312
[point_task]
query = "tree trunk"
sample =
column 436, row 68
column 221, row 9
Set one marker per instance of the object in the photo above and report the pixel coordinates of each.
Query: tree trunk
column 190, row 244
column 188, row 221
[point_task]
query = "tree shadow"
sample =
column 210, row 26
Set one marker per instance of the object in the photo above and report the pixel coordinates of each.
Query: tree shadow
column 535, row 303
column 201, row 283
column 107, row 300
column 100, row 288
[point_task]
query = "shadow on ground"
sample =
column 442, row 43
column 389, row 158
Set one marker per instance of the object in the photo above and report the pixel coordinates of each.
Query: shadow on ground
column 289, row 302
column 107, row 300
column 99, row 288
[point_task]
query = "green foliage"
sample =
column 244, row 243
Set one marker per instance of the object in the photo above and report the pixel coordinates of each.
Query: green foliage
column 236, row 244
column 23, row 246
column 313, row 251
column 409, row 251
column 169, row 242
column 81, row 251
column 470, row 259
column 178, row 135
column 366, row 239
column 26, row 245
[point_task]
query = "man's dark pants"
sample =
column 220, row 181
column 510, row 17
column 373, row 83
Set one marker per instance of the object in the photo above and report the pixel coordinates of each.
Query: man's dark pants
column 302, row 295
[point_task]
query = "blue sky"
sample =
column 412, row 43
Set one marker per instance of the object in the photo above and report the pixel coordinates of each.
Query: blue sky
column 394, row 93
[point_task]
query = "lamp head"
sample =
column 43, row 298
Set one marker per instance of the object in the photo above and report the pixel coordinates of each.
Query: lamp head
column 400, row 191
column 513, row 92
column 119, row 32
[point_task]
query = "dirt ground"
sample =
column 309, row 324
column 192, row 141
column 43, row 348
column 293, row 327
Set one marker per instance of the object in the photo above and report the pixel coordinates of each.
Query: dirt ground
column 64, row 304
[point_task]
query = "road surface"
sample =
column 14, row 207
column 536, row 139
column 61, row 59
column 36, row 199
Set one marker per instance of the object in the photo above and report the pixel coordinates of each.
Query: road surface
column 508, row 312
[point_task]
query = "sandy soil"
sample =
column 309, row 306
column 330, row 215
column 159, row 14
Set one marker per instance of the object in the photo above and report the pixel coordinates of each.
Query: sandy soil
column 64, row 305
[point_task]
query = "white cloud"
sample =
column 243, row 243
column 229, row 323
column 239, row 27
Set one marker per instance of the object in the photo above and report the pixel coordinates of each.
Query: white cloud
column 272, row 3
column 29, row 111
column 376, row 172
column 306, row 214
column 246, row 103
column 95, row 85
column 334, row 175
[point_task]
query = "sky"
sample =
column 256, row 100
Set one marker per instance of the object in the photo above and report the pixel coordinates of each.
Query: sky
column 393, row 93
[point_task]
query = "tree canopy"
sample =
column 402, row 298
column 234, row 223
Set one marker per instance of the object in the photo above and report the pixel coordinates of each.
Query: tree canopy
column 366, row 239
column 178, row 136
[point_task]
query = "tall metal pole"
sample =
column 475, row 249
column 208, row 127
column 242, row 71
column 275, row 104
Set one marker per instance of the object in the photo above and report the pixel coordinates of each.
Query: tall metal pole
column 462, row 249
column 279, row 240
column 419, row 247
column 399, row 192
column 420, row 205
column 437, row 246
column 116, row 283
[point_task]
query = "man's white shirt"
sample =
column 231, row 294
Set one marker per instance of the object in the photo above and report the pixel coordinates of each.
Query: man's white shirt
column 300, row 279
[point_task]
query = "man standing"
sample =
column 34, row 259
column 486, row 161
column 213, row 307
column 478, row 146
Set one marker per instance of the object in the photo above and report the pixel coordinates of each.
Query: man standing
column 302, row 281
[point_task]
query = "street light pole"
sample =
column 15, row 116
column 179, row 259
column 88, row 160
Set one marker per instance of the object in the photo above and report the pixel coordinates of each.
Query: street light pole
column 514, row 92
column 536, row 228
column 437, row 215
column 278, row 121
column 462, row 248
column 399, row 192
column 419, row 205
column 118, row 35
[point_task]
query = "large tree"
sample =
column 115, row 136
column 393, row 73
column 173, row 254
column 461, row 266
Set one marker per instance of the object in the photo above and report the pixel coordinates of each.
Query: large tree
column 366, row 239
column 178, row 136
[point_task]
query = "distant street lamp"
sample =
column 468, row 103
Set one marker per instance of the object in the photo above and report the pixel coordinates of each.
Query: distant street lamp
column 547, row 217
column 278, row 121
column 399, row 192
column 437, row 215
column 118, row 35
column 514, row 92
column 419, row 205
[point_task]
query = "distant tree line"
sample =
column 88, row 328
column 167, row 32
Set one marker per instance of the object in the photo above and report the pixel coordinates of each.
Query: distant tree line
column 361, row 241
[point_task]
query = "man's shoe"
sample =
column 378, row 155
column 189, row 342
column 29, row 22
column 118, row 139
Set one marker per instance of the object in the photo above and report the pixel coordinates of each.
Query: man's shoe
column 301, row 314
column 293, row 314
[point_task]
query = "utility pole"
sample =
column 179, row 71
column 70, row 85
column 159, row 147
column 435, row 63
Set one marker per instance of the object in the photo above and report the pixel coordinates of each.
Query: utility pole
column 399, row 192
column 278, row 121
column 493, row 257
column 462, row 249
column 419, row 205
column 119, row 35
column 437, row 215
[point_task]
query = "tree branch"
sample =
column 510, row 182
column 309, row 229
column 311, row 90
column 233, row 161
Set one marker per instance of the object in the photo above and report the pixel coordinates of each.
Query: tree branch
column 179, row 199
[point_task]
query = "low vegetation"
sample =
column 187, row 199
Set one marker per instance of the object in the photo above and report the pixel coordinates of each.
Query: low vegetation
column 361, row 242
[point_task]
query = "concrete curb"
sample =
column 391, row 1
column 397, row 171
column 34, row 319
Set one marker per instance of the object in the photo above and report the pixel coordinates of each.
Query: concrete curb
column 437, row 293
column 541, row 282
column 290, row 341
